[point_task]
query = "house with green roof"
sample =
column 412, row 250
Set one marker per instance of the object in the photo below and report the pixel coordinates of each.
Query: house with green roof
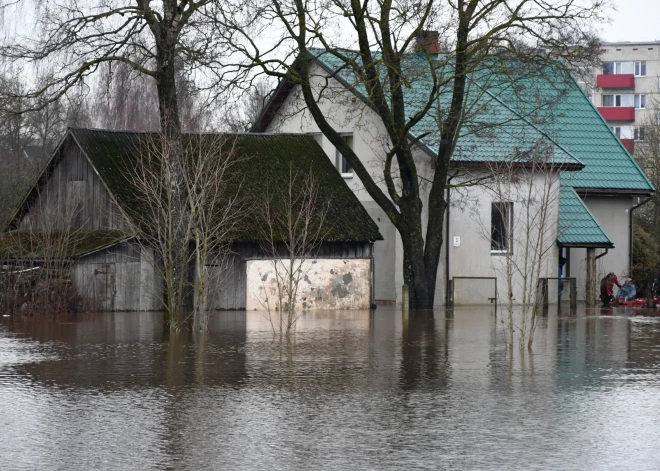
column 595, row 184
column 87, row 203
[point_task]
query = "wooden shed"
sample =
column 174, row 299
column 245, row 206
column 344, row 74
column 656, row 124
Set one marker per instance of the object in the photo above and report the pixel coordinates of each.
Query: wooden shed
column 86, row 189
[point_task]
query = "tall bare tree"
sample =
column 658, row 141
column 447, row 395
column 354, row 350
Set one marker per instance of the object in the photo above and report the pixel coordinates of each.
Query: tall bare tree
column 480, row 37
column 155, row 38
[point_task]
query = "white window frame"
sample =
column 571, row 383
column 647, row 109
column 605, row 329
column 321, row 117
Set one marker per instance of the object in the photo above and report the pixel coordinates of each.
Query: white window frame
column 340, row 158
column 638, row 133
column 638, row 64
column 616, row 130
column 616, row 97
column 640, row 101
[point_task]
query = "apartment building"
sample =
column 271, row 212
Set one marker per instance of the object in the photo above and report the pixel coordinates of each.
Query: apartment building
column 627, row 88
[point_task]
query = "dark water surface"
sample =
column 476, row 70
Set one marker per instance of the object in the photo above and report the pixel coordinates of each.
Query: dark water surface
column 351, row 390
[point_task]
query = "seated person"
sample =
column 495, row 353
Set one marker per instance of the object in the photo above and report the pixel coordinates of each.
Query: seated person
column 627, row 291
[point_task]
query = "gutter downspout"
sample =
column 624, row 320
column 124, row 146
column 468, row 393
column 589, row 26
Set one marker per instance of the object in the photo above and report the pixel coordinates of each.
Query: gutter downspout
column 603, row 254
column 447, row 243
column 630, row 234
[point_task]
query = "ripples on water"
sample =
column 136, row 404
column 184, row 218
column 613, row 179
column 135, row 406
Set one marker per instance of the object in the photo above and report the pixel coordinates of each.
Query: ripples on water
column 351, row 390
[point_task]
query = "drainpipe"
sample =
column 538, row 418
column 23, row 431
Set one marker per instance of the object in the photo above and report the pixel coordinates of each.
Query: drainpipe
column 447, row 243
column 603, row 254
column 373, row 278
column 630, row 235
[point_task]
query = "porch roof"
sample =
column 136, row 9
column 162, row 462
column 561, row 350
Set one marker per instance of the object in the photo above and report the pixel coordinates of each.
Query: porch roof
column 577, row 226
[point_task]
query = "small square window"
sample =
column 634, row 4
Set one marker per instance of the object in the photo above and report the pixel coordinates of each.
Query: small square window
column 608, row 100
column 640, row 69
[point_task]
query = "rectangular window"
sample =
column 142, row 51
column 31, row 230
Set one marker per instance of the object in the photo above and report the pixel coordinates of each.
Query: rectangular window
column 614, row 100
column 318, row 137
column 640, row 101
column 608, row 68
column 617, row 68
column 640, row 69
column 501, row 218
column 638, row 133
column 616, row 130
column 343, row 165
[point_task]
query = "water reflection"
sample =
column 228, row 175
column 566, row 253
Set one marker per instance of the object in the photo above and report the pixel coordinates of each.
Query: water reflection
column 370, row 390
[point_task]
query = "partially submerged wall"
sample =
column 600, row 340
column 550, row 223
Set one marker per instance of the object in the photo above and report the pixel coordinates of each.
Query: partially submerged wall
column 326, row 284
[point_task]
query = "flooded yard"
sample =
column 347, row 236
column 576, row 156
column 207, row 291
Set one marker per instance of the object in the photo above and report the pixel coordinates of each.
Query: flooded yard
column 350, row 390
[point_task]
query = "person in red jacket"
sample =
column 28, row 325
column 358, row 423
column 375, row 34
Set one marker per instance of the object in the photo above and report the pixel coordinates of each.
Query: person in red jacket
column 607, row 288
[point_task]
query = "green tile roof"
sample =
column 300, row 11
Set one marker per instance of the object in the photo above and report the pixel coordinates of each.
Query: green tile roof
column 577, row 226
column 515, row 114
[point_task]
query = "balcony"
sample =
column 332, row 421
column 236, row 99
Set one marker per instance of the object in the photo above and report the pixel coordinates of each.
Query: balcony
column 617, row 113
column 619, row 81
column 629, row 144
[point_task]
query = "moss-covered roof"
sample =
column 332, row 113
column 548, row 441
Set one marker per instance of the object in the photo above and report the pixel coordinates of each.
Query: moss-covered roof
column 56, row 244
column 261, row 161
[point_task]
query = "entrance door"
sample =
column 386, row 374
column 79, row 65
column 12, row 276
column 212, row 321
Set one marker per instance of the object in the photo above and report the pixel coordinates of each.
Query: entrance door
column 104, row 286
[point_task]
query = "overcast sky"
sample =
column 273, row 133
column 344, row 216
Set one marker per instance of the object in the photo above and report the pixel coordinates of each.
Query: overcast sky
column 634, row 20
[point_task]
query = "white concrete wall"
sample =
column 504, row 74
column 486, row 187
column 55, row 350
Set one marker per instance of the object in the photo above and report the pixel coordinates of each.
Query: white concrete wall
column 470, row 219
column 326, row 284
column 613, row 215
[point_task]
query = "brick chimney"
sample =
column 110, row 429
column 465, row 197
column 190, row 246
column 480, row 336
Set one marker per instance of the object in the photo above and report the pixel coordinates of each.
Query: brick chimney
column 428, row 41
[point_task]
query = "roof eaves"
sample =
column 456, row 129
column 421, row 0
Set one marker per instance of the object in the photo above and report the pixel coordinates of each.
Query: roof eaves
column 37, row 181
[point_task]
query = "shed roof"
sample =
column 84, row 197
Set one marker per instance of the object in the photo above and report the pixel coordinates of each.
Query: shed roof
column 261, row 161
column 577, row 226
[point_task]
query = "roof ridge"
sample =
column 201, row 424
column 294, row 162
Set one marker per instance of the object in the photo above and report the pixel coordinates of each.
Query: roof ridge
column 204, row 133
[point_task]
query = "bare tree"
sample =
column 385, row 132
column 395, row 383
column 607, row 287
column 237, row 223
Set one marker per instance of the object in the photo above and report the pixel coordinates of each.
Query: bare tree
column 213, row 209
column 155, row 38
column 217, row 208
column 523, row 229
column 292, row 232
column 483, row 38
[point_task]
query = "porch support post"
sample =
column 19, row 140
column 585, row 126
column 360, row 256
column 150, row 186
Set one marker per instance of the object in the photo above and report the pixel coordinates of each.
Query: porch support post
column 591, row 277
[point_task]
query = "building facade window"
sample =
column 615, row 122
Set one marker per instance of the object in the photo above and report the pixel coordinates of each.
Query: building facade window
column 638, row 133
column 318, row 137
column 640, row 69
column 501, row 224
column 616, row 130
column 618, row 68
column 611, row 100
column 343, row 165
column 640, row 101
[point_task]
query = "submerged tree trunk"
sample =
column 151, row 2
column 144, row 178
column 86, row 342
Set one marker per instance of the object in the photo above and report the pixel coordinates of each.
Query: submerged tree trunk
column 171, row 131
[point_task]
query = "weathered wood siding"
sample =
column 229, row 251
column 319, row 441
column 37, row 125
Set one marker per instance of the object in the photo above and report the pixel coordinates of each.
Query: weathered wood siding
column 73, row 196
column 120, row 278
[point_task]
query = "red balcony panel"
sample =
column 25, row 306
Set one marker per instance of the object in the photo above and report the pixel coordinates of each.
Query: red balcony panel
column 616, row 81
column 629, row 144
column 617, row 113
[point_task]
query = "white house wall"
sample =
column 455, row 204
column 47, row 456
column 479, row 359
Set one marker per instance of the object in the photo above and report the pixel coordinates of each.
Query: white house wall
column 470, row 220
column 612, row 214
column 326, row 284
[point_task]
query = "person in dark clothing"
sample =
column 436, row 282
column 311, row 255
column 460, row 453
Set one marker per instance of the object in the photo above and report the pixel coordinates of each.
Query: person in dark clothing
column 607, row 288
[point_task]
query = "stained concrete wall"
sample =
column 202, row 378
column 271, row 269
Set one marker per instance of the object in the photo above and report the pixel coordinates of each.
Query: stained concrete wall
column 612, row 214
column 326, row 284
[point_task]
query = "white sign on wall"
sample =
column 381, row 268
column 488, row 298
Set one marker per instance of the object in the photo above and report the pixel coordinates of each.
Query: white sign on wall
column 457, row 241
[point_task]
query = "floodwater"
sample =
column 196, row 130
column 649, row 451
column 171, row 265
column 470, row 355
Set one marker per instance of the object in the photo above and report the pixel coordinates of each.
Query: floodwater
column 350, row 390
